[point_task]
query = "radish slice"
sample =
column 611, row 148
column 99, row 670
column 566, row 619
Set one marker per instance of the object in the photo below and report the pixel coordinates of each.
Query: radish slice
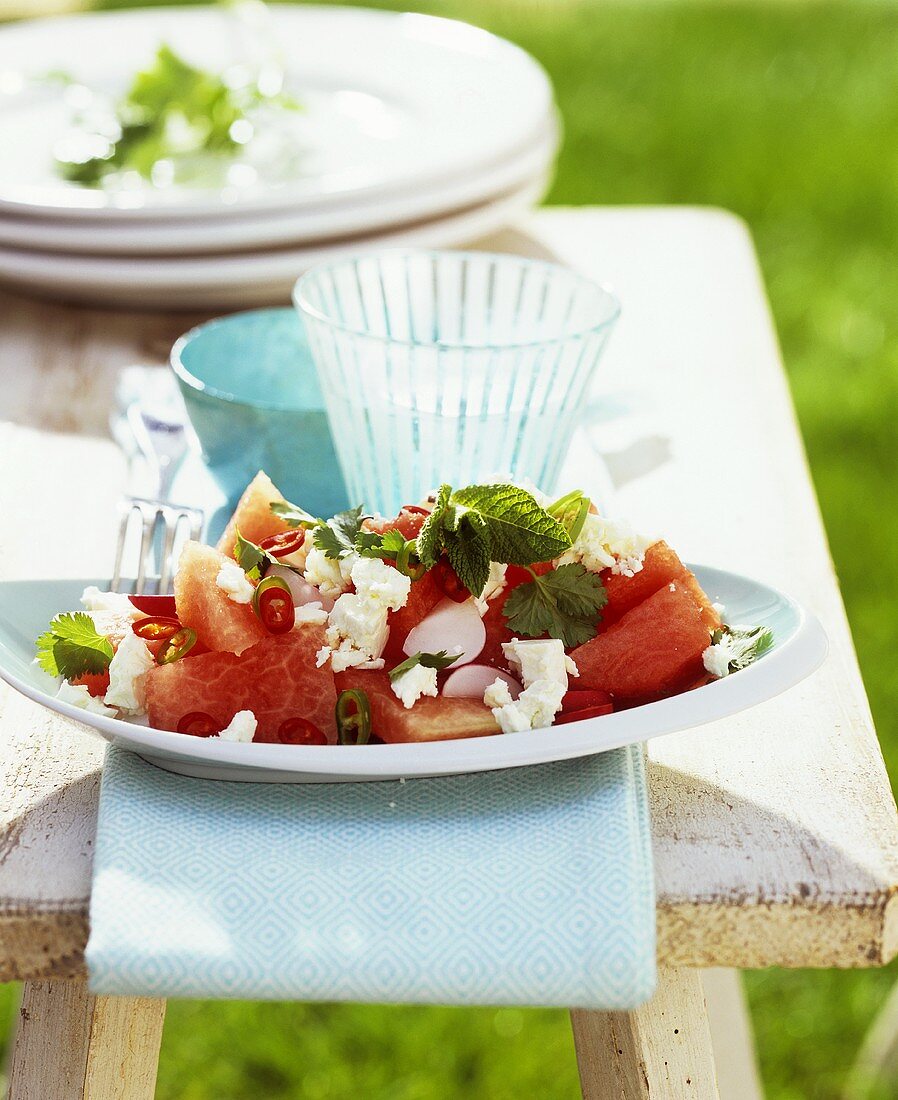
column 473, row 680
column 303, row 592
column 450, row 626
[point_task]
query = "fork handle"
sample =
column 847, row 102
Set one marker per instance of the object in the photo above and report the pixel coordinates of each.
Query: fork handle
column 163, row 443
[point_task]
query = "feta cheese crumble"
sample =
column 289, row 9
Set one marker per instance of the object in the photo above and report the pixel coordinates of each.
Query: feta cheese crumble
column 242, row 727
column 312, row 613
column 233, row 582
column 79, row 696
column 331, row 576
column 412, row 684
column 113, row 603
column 495, row 585
column 357, row 626
column 127, row 675
column 543, row 667
column 607, row 544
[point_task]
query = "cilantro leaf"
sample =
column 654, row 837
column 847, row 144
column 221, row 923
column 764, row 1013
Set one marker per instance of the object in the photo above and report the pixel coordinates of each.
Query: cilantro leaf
column 565, row 603
column 520, row 530
column 571, row 511
column 251, row 558
column 438, row 661
column 372, row 545
column 338, row 536
column 71, row 646
column 742, row 644
column 293, row 515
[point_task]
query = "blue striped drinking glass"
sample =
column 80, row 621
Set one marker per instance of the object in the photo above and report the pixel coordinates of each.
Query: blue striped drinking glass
column 450, row 366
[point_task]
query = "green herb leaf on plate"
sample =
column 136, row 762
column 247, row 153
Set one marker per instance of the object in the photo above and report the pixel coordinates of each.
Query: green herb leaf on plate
column 293, row 515
column 521, row 531
column 565, row 603
column 370, row 544
column 438, row 661
column 742, row 644
column 251, row 558
column 71, row 647
column 338, row 536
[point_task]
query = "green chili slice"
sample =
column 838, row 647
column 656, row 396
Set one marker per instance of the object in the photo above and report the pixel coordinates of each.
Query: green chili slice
column 408, row 562
column 177, row 646
column 353, row 713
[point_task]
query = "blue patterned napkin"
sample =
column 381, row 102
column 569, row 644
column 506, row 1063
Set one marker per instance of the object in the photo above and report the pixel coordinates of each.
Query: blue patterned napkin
column 527, row 886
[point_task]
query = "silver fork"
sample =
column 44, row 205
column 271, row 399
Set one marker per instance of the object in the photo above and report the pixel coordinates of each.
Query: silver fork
column 162, row 440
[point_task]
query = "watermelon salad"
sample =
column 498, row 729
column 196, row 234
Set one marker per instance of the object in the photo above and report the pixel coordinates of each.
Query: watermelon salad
column 484, row 610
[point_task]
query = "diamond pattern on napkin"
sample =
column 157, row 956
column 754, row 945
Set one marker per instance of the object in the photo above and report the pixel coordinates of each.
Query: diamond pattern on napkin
column 525, row 886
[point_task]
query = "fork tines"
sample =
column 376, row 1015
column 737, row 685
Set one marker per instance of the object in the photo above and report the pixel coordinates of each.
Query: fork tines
column 154, row 514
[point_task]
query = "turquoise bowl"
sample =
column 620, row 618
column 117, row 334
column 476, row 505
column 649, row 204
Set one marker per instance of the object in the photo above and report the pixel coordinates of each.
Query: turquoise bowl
column 253, row 399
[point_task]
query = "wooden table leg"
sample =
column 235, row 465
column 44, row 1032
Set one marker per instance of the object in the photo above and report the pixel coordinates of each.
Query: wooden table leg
column 661, row 1051
column 71, row 1045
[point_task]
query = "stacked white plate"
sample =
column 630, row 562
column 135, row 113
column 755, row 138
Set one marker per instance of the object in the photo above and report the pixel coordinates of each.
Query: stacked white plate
column 415, row 131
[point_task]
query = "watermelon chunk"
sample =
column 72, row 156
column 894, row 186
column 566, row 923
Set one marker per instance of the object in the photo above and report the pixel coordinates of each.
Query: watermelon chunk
column 428, row 720
column 423, row 597
column 660, row 566
column 253, row 515
column 276, row 679
column 220, row 624
column 654, row 651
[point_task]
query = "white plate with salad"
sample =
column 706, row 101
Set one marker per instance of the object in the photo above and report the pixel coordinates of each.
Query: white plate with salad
column 484, row 627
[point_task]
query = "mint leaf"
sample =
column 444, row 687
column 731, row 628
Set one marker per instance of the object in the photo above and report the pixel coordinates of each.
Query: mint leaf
column 338, row 536
column 372, row 545
column 742, row 644
column 430, row 537
column 565, row 603
column 251, row 558
column 520, row 530
column 466, row 538
column 71, row 647
column 438, row 661
column 293, row 515
column 571, row 511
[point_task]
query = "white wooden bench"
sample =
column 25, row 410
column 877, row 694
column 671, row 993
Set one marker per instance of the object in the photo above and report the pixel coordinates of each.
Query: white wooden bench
column 776, row 836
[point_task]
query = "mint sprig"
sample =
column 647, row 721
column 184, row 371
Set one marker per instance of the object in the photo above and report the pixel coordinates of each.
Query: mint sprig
column 565, row 603
column 439, row 661
column 484, row 523
column 338, row 536
column 71, row 647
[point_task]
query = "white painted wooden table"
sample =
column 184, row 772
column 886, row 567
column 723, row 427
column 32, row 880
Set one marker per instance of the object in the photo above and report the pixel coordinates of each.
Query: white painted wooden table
column 776, row 837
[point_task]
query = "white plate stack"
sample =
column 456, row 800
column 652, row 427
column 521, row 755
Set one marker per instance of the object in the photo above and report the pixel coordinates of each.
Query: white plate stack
column 415, row 131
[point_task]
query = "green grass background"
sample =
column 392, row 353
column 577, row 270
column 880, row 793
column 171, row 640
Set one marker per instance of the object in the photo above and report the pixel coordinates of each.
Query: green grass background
column 787, row 114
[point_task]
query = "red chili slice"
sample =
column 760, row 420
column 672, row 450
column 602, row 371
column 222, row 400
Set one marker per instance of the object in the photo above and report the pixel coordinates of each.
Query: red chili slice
column 300, row 731
column 448, row 581
column 155, row 605
column 581, row 698
column 157, row 628
column 273, row 603
column 287, row 542
column 199, row 724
